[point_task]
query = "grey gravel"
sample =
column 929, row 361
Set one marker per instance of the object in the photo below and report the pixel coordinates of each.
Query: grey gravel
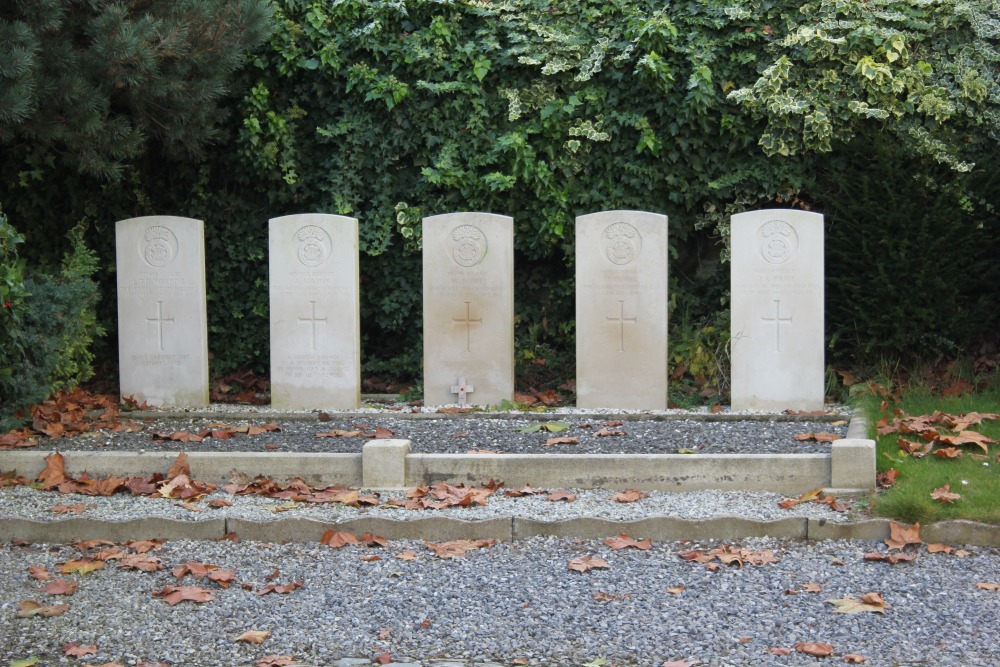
column 460, row 433
column 510, row 602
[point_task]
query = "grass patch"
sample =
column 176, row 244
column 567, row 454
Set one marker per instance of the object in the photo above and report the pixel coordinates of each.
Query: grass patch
column 976, row 475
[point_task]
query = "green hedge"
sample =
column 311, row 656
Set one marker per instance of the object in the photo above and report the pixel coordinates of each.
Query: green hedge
column 390, row 111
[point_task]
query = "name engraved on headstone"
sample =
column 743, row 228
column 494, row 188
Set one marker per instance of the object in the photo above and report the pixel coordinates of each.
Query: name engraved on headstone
column 621, row 310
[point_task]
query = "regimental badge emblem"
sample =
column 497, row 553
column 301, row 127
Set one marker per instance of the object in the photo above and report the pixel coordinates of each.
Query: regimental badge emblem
column 622, row 243
column 159, row 246
column 777, row 241
column 314, row 245
column 468, row 245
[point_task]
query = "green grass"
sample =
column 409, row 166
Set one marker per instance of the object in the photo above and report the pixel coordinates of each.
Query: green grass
column 975, row 477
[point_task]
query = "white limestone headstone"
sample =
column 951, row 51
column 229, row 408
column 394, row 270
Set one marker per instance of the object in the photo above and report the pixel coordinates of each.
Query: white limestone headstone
column 777, row 310
column 468, row 269
column 162, row 316
column 315, row 312
column 621, row 310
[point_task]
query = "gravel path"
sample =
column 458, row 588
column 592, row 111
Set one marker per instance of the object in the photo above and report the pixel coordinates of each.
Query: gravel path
column 507, row 603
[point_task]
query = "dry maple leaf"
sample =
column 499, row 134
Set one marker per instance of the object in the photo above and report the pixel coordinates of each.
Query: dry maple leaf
column 945, row 495
column 74, row 651
column 561, row 495
column 940, row 549
column 987, row 586
column 407, row 555
column 141, row 562
column 623, row 541
column 276, row 661
column 587, row 563
column 180, row 466
column 629, row 496
column 284, row 589
column 900, row 535
column 967, row 438
column 892, row 559
column 338, row 539
column 949, row 453
column 818, row 437
column 370, row 540
column 39, row 572
column 565, row 440
column 253, row 636
column 80, row 566
column 887, row 478
column 779, row 651
column 869, row 602
column 60, row 587
column 681, row 663
column 59, row 510
column 676, row 590
column 815, row 649
column 457, row 548
column 605, row 432
column 174, row 595
column 855, row 659
column 54, row 472
column 33, row 608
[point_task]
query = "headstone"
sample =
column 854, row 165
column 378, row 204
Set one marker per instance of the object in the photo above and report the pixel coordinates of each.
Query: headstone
column 468, row 293
column 315, row 312
column 162, row 317
column 777, row 311
column 621, row 310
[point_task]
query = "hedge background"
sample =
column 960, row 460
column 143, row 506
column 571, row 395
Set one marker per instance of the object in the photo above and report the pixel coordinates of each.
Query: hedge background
column 882, row 115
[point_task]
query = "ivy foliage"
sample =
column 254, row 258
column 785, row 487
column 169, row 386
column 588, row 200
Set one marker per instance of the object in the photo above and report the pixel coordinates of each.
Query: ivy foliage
column 928, row 71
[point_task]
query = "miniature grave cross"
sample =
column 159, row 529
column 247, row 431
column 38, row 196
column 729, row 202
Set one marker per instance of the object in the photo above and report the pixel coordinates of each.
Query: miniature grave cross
column 160, row 320
column 463, row 389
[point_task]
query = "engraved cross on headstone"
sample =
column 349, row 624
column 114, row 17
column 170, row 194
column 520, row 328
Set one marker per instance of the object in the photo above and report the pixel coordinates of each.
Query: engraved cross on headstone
column 777, row 319
column 622, row 321
column 468, row 321
column 463, row 389
column 312, row 319
column 160, row 320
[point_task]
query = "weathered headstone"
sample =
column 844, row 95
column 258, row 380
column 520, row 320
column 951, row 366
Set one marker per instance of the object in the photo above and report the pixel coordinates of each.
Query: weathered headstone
column 162, row 317
column 621, row 310
column 315, row 312
column 468, row 267
column 777, row 310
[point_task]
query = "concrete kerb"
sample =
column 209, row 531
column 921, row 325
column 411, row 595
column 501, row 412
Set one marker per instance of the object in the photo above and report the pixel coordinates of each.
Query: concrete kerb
column 505, row 529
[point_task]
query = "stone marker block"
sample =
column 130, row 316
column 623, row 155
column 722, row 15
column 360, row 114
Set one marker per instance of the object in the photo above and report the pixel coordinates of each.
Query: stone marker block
column 621, row 310
column 468, row 269
column 852, row 464
column 777, row 311
column 162, row 317
column 383, row 464
column 315, row 312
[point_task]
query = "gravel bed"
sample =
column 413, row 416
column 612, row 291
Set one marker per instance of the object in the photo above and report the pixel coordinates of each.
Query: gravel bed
column 23, row 502
column 510, row 602
column 461, row 433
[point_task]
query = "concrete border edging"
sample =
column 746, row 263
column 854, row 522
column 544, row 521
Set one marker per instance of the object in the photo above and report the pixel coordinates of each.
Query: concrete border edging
column 504, row 528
